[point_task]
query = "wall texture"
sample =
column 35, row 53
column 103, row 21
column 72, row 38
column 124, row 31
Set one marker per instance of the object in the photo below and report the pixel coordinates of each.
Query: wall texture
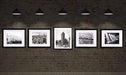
column 76, row 60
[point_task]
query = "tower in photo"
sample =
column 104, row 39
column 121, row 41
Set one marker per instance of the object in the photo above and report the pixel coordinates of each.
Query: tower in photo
column 62, row 38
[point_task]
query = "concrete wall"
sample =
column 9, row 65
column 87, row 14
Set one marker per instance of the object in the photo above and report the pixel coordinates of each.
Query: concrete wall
column 76, row 60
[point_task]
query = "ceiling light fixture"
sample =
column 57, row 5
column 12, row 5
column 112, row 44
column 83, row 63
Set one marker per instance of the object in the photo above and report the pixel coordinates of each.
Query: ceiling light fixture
column 39, row 12
column 85, row 12
column 16, row 12
column 62, row 12
column 108, row 12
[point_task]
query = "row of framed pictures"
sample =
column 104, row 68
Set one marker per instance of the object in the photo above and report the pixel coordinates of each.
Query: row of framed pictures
column 62, row 38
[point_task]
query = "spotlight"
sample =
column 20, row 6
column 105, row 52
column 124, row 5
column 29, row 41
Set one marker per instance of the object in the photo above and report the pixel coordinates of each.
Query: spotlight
column 85, row 12
column 108, row 12
column 39, row 12
column 62, row 12
column 16, row 12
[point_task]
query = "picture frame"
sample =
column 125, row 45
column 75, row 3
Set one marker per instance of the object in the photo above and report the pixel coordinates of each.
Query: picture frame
column 86, row 38
column 112, row 38
column 39, row 37
column 13, row 37
column 63, row 39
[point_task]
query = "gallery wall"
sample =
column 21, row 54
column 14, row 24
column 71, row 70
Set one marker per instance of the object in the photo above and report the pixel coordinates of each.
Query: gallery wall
column 75, row 60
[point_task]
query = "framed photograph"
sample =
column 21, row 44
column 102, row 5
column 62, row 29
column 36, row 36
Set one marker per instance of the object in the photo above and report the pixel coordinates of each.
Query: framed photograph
column 62, row 38
column 39, row 38
column 111, row 38
column 13, row 37
column 85, row 38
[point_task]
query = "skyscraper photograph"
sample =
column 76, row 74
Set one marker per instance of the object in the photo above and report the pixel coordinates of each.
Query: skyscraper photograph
column 62, row 38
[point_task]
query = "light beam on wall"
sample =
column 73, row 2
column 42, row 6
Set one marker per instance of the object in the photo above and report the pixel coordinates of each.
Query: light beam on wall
column 85, row 12
column 62, row 12
column 39, row 12
column 108, row 12
column 16, row 12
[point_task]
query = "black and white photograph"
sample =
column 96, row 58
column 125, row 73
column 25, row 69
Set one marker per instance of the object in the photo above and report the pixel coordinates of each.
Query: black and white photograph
column 39, row 37
column 62, row 38
column 85, row 38
column 111, row 38
column 13, row 37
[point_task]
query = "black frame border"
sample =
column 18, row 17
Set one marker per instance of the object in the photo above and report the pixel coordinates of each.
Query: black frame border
column 86, row 47
column 112, row 29
column 13, row 29
column 39, row 29
column 71, row 38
